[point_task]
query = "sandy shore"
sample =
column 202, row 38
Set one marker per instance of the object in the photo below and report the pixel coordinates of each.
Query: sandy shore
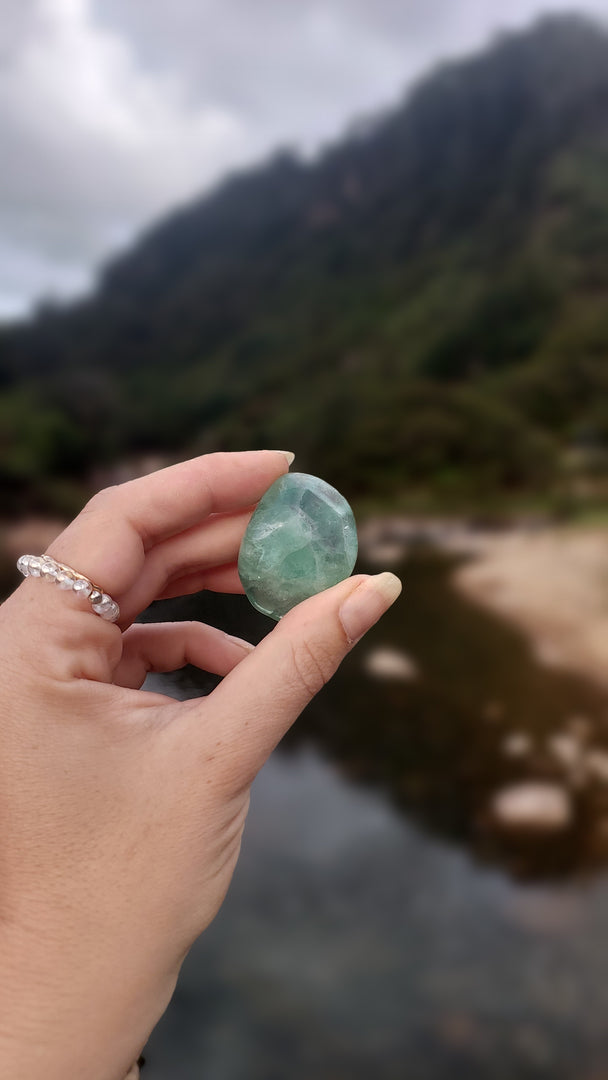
column 553, row 584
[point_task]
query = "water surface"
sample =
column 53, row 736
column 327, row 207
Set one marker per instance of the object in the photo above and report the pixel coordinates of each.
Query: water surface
column 377, row 925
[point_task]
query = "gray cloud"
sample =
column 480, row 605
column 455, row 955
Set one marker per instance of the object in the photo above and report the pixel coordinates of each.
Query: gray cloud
column 112, row 112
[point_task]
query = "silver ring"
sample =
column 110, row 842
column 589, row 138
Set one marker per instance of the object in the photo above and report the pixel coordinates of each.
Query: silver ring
column 48, row 569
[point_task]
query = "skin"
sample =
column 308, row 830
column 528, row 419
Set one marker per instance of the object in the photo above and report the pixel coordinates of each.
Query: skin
column 121, row 810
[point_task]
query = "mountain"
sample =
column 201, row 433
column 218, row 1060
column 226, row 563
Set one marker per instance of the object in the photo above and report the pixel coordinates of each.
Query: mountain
column 422, row 309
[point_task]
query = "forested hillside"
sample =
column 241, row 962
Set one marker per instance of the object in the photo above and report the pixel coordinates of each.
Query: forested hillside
column 422, row 309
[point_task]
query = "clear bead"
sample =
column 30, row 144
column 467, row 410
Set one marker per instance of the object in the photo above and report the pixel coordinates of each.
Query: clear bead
column 64, row 580
column 111, row 612
column 82, row 587
column 107, row 608
column 34, row 566
column 100, row 607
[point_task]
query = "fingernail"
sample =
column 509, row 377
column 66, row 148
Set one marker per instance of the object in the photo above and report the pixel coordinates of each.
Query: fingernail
column 246, row 645
column 286, row 454
column 367, row 603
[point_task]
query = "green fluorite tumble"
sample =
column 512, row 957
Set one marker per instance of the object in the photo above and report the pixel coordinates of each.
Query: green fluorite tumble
column 301, row 539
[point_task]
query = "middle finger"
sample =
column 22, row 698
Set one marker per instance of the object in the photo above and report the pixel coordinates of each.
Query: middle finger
column 190, row 555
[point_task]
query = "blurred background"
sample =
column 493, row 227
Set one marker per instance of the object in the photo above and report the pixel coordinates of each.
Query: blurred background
column 376, row 235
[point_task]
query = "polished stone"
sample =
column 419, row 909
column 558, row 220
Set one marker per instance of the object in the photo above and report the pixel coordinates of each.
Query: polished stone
column 301, row 539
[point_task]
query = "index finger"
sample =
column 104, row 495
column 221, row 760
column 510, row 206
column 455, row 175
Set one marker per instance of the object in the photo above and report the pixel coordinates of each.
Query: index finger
column 109, row 539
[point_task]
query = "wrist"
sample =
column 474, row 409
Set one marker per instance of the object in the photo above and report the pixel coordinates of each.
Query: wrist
column 57, row 1023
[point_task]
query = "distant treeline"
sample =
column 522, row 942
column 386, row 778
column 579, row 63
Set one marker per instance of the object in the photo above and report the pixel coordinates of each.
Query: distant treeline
column 423, row 309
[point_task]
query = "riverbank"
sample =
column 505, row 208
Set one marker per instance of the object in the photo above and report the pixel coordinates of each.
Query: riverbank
column 553, row 584
column 549, row 581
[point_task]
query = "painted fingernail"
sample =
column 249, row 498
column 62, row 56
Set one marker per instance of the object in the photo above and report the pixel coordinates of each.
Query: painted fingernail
column 286, row 454
column 367, row 603
column 246, row 645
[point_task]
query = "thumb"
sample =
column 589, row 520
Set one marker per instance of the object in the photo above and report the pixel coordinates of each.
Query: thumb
column 260, row 699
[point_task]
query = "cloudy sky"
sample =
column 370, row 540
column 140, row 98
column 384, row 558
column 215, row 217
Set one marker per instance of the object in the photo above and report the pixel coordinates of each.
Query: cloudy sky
column 112, row 111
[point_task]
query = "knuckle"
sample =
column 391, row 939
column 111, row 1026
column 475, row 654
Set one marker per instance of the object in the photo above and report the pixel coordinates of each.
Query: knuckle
column 99, row 501
column 313, row 665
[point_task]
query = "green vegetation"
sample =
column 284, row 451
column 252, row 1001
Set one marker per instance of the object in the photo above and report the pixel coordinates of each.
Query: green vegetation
column 420, row 314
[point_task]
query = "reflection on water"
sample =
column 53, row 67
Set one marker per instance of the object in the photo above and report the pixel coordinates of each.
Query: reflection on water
column 363, row 935
column 352, row 946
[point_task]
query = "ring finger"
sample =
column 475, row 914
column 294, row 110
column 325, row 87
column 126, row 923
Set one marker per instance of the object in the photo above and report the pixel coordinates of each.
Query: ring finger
column 169, row 646
column 194, row 559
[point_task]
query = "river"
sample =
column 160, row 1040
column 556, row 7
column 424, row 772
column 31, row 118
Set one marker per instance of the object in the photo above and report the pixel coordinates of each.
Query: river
column 378, row 924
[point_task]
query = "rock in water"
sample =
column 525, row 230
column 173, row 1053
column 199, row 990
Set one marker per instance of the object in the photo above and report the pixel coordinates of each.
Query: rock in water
column 301, row 539
column 534, row 806
column 385, row 663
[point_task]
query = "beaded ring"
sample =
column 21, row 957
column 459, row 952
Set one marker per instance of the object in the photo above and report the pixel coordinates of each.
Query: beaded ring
column 48, row 569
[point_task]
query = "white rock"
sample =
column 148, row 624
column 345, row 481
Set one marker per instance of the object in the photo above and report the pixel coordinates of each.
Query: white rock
column 516, row 744
column 532, row 806
column 566, row 749
column 385, row 663
column 597, row 765
column 386, row 553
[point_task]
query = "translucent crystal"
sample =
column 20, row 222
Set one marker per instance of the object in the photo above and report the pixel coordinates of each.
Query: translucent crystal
column 105, row 606
column 82, row 587
column 302, row 538
column 111, row 612
column 65, row 581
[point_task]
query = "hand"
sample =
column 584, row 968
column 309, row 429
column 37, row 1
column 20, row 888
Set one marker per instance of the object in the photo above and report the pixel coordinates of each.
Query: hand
column 121, row 811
